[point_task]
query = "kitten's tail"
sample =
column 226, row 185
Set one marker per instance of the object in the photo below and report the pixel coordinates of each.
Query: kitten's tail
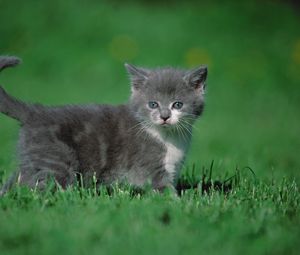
column 9, row 105
column 9, row 61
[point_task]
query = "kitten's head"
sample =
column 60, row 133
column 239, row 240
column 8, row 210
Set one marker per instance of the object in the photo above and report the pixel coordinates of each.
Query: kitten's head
column 167, row 97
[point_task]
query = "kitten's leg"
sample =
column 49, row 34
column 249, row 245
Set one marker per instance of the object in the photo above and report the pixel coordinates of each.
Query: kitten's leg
column 42, row 157
column 41, row 178
column 38, row 180
column 162, row 181
column 12, row 180
column 39, row 165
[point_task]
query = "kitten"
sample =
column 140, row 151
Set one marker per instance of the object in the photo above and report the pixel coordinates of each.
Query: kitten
column 144, row 141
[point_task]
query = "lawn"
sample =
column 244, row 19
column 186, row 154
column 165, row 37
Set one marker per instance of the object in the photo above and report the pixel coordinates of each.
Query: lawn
column 74, row 52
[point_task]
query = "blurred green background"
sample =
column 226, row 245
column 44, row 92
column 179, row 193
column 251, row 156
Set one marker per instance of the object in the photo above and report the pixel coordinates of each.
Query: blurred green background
column 74, row 51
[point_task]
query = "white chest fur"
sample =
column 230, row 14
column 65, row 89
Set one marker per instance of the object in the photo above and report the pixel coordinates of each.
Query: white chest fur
column 175, row 151
column 173, row 159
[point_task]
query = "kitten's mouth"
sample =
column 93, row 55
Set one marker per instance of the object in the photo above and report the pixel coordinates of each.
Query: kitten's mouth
column 165, row 124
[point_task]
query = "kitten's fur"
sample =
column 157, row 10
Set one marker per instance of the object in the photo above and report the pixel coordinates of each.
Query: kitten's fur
column 126, row 143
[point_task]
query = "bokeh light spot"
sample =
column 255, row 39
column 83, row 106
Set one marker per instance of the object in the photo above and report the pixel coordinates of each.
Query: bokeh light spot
column 123, row 48
column 197, row 56
column 296, row 52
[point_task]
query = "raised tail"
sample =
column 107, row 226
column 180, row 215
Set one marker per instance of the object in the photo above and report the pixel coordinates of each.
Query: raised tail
column 9, row 61
column 9, row 105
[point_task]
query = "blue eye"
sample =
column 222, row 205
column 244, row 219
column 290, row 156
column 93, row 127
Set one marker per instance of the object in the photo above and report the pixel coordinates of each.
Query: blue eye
column 177, row 105
column 153, row 105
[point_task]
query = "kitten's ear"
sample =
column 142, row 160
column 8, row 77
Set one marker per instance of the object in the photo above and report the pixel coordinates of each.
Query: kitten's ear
column 138, row 76
column 196, row 77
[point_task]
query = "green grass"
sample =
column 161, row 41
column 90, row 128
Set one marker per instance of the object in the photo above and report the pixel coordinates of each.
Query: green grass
column 261, row 218
column 74, row 51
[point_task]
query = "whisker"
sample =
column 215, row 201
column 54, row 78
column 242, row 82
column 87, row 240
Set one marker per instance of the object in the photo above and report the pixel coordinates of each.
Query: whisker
column 189, row 124
column 182, row 130
column 179, row 129
column 137, row 125
column 185, row 127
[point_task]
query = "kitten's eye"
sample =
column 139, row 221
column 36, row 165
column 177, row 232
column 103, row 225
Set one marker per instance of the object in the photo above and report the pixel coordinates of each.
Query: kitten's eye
column 153, row 105
column 177, row 105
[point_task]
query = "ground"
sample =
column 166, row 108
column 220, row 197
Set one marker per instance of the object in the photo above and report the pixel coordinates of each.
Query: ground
column 74, row 52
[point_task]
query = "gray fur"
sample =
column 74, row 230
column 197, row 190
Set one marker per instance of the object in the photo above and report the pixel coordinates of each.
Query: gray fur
column 112, row 143
column 8, row 61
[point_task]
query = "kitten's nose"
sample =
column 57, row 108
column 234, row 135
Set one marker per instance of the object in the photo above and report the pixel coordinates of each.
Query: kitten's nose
column 165, row 114
column 165, row 118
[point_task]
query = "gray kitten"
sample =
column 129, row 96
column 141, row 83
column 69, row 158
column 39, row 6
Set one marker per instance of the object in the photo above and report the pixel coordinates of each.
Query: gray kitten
column 144, row 141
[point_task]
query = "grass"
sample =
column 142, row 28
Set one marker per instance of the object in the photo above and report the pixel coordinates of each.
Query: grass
column 252, row 218
column 74, row 52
